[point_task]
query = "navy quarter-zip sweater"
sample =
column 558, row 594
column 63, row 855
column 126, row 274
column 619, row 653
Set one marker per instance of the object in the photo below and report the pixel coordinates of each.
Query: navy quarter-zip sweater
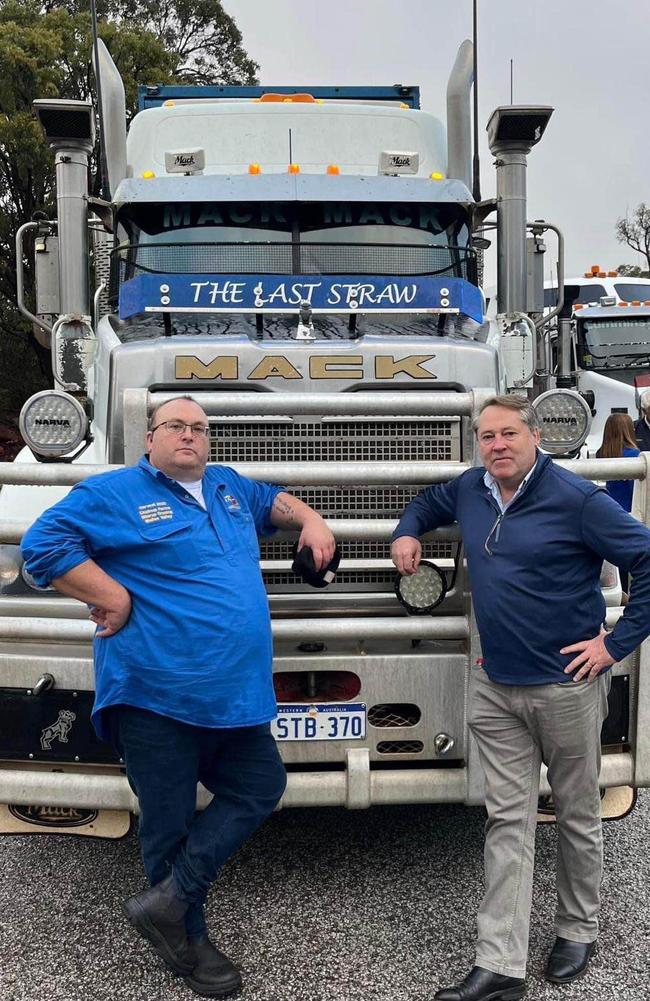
column 538, row 589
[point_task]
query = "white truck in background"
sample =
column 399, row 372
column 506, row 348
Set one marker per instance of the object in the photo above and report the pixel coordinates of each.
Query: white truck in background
column 609, row 315
column 305, row 264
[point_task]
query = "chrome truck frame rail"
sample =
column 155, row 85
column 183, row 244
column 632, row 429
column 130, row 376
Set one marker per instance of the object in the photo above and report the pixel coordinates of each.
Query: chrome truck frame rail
column 28, row 625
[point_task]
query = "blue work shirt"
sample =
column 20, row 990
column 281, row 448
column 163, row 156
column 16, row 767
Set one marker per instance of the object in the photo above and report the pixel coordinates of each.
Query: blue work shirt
column 197, row 646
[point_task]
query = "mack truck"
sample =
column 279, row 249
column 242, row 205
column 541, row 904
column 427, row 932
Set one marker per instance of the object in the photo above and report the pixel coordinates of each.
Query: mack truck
column 306, row 263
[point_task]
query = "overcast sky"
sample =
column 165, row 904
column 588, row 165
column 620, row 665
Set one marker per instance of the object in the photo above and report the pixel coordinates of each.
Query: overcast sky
column 589, row 59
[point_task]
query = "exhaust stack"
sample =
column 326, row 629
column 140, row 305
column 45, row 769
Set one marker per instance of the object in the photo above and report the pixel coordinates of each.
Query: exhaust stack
column 459, row 116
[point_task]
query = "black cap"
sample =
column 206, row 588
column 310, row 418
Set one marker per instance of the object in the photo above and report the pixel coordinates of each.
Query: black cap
column 303, row 566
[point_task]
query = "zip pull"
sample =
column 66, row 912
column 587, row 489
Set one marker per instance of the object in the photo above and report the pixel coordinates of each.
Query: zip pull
column 494, row 531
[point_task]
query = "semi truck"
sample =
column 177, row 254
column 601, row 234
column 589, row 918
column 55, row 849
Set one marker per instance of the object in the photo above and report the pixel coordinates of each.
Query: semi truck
column 609, row 323
column 306, row 264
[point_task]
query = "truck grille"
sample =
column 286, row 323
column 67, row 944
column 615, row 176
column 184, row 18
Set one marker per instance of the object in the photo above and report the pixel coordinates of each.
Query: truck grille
column 342, row 440
column 396, row 440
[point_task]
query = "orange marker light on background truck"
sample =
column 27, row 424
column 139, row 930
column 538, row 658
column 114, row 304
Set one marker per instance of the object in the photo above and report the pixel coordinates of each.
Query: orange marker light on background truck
column 254, row 168
column 293, row 168
column 288, row 99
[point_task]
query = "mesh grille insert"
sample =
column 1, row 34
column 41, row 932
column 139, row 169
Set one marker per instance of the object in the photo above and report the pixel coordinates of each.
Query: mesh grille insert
column 394, row 714
column 400, row 747
column 342, row 440
column 390, row 440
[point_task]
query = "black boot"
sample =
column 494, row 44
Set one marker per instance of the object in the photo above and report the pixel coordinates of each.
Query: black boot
column 568, row 960
column 158, row 915
column 213, row 976
column 483, row 985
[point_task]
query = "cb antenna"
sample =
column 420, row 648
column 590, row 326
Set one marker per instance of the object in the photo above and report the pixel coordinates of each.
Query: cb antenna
column 476, row 166
column 104, row 191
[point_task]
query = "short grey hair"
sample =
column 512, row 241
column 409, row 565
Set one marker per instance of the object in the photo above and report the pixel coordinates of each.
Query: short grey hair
column 519, row 404
column 644, row 399
column 154, row 413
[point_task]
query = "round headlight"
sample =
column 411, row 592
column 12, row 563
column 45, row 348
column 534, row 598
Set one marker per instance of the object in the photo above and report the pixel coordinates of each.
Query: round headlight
column 10, row 561
column 564, row 419
column 53, row 423
column 422, row 591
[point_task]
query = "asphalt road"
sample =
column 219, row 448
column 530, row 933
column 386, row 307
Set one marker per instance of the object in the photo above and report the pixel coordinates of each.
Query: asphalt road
column 320, row 905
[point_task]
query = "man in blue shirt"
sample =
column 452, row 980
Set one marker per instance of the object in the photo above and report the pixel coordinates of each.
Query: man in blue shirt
column 166, row 555
column 535, row 537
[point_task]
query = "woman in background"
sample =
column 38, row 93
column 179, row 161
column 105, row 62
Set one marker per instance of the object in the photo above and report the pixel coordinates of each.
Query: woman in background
column 619, row 442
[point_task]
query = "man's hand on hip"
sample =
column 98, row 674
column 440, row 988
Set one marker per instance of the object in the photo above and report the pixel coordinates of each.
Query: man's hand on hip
column 108, row 600
column 112, row 619
column 593, row 657
column 406, row 553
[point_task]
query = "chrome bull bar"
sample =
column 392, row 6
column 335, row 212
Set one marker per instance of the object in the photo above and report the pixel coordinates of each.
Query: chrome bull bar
column 354, row 786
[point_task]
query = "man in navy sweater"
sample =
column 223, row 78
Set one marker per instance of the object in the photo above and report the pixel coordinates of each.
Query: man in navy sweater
column 535, row 537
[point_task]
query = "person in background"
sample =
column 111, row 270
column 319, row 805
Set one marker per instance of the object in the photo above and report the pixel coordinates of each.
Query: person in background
column 642, row 426
column 619, row 443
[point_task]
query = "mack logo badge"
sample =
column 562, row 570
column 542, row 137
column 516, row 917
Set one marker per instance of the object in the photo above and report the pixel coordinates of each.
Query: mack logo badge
column 52, row 816
column 58, row 730
column 332, row 366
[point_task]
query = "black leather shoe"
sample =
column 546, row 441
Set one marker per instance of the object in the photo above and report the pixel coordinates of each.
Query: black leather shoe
column 213, row 976
column 483, row 985
column 158, row 915
column 568, row 960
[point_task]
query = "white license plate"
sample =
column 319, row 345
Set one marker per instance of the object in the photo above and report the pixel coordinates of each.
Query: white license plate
column 320, row 722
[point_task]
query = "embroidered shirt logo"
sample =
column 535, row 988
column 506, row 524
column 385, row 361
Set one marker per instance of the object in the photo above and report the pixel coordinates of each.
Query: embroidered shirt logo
column 156, row 511
column 58, row 730
column 232, row 502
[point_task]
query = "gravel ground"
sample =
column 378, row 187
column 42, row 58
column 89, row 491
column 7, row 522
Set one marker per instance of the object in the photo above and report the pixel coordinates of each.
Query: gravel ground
column 320, row 904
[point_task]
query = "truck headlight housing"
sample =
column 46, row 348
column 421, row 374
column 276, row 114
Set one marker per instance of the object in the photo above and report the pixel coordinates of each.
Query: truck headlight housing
column 53, row 423
column 422, row 591
column 565, row 419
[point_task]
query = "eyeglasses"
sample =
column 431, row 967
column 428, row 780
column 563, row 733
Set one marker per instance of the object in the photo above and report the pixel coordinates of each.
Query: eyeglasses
column 177, row 428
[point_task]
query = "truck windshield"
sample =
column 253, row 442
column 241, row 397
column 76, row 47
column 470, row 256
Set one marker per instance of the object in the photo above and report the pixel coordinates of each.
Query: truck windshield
column 628, row 291
column 296, row 238
column 613, row 343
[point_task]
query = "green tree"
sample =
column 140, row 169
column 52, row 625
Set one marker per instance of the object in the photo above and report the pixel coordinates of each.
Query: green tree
column 634, row 229
column 45, row 51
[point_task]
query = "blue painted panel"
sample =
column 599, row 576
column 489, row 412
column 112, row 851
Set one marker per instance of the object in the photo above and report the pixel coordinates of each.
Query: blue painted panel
column 283, row 294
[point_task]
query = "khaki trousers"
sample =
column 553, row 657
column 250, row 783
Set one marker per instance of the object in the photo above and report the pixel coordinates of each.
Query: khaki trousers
column 517, row 727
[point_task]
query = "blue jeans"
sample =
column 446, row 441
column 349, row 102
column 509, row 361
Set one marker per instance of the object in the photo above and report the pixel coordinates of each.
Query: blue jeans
column 164, row 760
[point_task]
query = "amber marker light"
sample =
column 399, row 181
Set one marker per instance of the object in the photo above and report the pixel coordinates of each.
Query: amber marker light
column 254, row 168
column 624, row 304
column 437, row 176
column 147, row 174
column 293, row 168
column 169, row 104
column 333, row 168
